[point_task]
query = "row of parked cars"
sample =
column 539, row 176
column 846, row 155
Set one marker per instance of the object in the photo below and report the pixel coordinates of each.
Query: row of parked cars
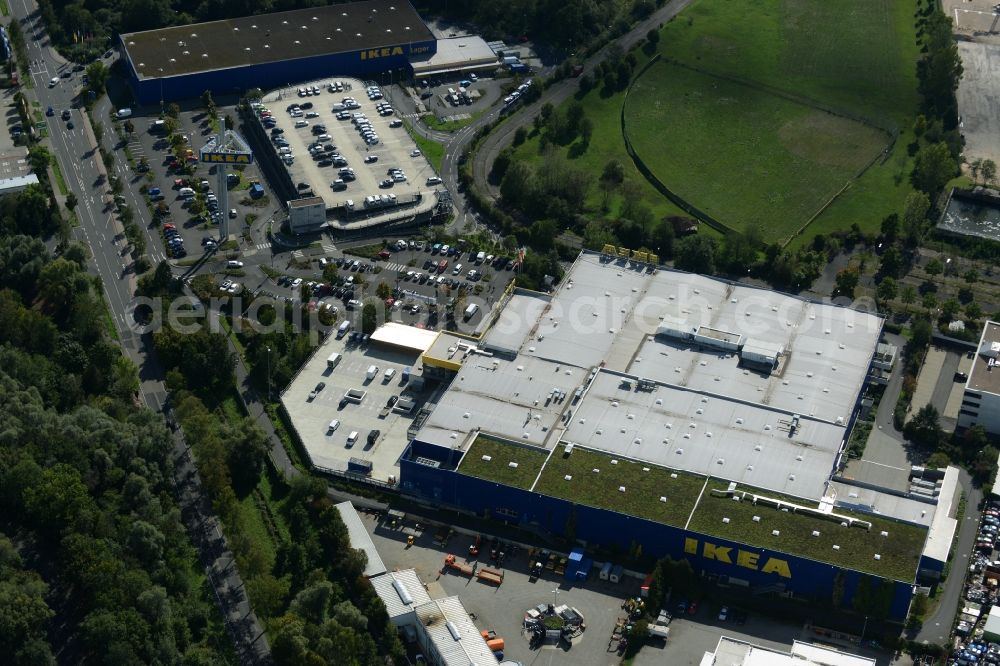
column 516, row 95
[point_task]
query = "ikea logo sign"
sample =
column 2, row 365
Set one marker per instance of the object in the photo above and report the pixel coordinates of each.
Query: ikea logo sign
column 374, row 54
column 741, row 558
column 227, row 158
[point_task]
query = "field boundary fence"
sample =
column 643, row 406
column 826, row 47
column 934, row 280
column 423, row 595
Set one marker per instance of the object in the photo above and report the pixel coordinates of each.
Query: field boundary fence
column 890, row 129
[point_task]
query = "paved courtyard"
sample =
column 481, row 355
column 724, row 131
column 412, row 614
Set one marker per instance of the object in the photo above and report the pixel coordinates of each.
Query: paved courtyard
column 979, row 99
column 502, row 608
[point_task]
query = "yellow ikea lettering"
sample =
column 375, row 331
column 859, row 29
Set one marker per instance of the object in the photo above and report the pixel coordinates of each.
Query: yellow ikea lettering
column 373, row 54
column 777, row 566
column 712, row 552
column 747, row 559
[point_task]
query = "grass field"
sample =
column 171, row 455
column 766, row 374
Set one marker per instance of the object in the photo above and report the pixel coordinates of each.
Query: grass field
column 899, row 552
column 529, row 461
column 746, row 157
column 855, row 55
column 644, row 485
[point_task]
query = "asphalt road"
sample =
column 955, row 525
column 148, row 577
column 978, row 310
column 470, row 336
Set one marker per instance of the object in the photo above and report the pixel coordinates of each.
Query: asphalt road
column 76, row 153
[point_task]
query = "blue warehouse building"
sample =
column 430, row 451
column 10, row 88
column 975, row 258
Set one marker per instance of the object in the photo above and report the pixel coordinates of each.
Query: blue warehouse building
column 691, row 416
column 274, row 50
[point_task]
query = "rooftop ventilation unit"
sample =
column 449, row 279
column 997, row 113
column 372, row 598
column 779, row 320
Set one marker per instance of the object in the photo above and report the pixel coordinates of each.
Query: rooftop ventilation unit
column 404, row 594
column 487, row 458
column 453, row 630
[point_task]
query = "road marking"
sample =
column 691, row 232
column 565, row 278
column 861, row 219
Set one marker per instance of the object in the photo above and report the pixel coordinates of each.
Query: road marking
column 297, row 254
column 263, row 246
column 327, row 247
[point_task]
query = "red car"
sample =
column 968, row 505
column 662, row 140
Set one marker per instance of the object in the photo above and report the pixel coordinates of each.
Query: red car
column 693, row 608
column 384, row 254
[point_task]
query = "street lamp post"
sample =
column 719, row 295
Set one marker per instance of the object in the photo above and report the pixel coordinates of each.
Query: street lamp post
column 268, row 373
column 555, row 598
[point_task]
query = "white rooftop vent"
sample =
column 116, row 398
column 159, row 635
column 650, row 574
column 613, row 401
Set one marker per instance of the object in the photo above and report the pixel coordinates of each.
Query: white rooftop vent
column 843, row 523
column 884, row 533
column 725, row 520
column 679, row 451
column 836, row 547
column 799, row 457
column 453, row 630
column 757, row 448
column 621, row 489
column 669, row 425
column 596, row 471
column 775, row 532
column 466, row 415
column 646, row 469
column 673, row 475
column 659, row 401
column 404, row 594
column 512, row 464
column 877, row 557
column 749, row 468
column 720, row 461
column 767, row 427
column 756, row 519
column 791, row 477
column 568, row 477
column 614, row 461
column 663, row 498
column 487, row 458
column 708, row 434
column 815, row 533
column 699, row 411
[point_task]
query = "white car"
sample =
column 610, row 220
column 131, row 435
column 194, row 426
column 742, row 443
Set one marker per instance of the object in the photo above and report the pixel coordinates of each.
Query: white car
column 296, row 282
column 724, row 614
column 434, row 180
column 415, row 152
column 234, row 288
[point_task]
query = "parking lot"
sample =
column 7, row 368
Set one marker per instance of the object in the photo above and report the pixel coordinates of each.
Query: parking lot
column 502, row 608
column 343, row 132
column 426, row 289
column 150, row 142
column 380, row 429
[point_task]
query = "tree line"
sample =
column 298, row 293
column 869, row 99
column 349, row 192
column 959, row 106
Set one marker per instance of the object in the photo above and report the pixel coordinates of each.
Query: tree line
column 95, row 565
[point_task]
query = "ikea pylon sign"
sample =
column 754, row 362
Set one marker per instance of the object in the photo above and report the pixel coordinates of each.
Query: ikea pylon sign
column 227, row 158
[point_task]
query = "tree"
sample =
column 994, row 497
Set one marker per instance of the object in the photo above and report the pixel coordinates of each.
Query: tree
column 924, row 429
column 846, row 282
column 97, row 77
column 933, row 167
column 890, row 227
column 71, row 201
column 173, row 110
column 613, row 173
column 129, row 127
column 950, row 308
column 653, row 36
column 973, row 311
column 908, row 296
column 929, row 301
column 892, row 262
column 934, row 267
column 975, row 166
column 989, row 171
column 696, row 254
column 914, row 216
column 887, row 290
column 971, row 276
column 369, row 319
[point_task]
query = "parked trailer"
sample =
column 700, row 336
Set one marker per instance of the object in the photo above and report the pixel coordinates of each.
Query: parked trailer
column 451, row 562
column 490, row 575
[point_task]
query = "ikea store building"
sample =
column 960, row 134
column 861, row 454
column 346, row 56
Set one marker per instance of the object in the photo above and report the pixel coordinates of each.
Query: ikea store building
column 694, row 417
column 274, row 50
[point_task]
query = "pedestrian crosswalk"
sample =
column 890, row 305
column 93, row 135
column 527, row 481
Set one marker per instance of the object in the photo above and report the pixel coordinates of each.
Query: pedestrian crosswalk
column 394, row 267
column 263, row 246
column 329, row 248
column 297, row 254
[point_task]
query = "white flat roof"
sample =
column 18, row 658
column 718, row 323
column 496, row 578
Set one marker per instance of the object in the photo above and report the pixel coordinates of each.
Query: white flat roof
column 942, row 529
column 509, row 333
column 733, row 652
column 503, row 397
column 401, row 335
column 882, row 504
column 456, row 53
column 361, row 539
column 706, row 434
column 408, row 581
column 439, row 617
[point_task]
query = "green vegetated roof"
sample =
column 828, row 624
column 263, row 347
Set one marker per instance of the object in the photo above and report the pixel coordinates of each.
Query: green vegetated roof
column 899, row 552
column 644, row 485
column 529, row 461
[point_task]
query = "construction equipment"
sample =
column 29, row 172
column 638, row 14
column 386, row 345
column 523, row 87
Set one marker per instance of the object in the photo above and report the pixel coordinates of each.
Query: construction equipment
column 493, row 642
column 551, row 563
column 659, row 629
column 442, row 535
column 536, row 571
column 561, row 566
column 409, row 540
column 451, row 562
column 490, row 575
